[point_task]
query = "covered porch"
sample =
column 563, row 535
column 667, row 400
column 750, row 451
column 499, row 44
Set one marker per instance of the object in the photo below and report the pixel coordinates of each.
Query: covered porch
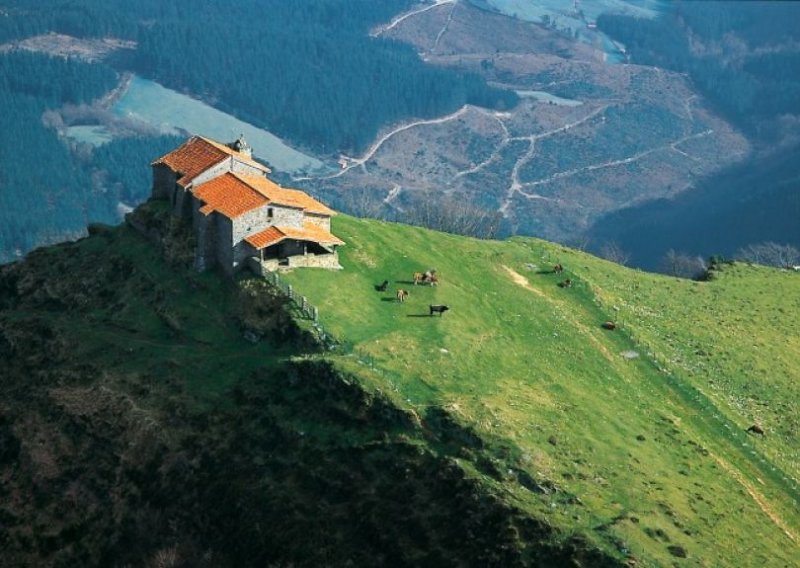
column 289, row 247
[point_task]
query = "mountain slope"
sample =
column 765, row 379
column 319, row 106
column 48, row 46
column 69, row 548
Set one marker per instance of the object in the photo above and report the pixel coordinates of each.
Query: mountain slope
column 138, row 427
column 637, row 435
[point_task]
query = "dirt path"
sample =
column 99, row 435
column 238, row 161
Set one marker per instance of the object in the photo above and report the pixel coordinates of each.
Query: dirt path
column 402, row 17
column 355, row 162
column 757, row 497
column 520, row 280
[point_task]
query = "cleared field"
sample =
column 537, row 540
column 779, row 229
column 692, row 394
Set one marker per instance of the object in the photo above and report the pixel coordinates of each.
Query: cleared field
column 611, row 434
column 172, row 112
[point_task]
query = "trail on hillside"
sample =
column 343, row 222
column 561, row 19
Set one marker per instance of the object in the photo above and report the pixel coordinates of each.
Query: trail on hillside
column 407, row 15
column 520, row 280
column 757, row 497
column 355, row 162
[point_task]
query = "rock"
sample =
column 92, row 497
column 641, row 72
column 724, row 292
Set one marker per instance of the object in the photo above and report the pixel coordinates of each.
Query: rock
column 678, row 551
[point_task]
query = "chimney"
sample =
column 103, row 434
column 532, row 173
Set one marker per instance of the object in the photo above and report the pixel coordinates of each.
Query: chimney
column 241, row 145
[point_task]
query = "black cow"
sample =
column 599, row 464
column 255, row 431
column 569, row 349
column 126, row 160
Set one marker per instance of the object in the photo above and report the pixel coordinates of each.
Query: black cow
column 438, row 309
column 382, row 287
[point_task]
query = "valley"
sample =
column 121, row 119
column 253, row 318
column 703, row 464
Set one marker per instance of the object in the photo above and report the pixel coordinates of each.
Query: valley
column 574, row 148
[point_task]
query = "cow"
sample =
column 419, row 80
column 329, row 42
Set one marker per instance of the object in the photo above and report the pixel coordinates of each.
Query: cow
column 382, row 286
column 609, row 325
column 427, row 277
column 558, row 269
column 756, row 429
column 402, row 295
column 566, row 283
column 438, row 309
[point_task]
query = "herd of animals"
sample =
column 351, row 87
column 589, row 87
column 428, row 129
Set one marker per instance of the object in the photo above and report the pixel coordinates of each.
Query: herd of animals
column 428, row 277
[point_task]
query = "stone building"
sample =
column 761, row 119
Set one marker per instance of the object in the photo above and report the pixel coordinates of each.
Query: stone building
column 239, row 216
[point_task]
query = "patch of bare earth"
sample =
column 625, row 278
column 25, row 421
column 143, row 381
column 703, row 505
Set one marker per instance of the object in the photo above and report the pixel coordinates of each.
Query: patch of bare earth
column 62, row 45
column 639, row 133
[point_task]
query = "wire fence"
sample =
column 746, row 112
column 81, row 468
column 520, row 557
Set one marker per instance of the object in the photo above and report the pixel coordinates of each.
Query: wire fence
column 305, row 310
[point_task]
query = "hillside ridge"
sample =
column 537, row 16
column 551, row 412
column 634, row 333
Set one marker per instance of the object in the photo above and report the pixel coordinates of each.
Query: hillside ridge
column 514, row 416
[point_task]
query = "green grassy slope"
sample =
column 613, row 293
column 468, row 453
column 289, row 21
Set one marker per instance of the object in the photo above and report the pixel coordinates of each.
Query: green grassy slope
column 646, row 455
column 138, row 427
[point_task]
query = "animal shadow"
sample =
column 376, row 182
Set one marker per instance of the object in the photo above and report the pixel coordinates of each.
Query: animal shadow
column 418, row 315
column 388, row 299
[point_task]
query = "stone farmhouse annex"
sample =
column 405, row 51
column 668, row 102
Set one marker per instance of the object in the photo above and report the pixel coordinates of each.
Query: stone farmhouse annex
column 239, row 216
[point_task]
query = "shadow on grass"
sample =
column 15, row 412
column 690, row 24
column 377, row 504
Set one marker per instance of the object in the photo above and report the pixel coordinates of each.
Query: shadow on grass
column 389, row 299
column 419, row 316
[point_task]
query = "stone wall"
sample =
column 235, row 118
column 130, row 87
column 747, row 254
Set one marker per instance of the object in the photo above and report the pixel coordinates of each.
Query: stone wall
column 182, row 203
column 245, row 169
column 319, row 220
column 214, row 171
column 164, row 181
column 329, row 260
column 287, row 217
column 224, row 240
column 205, row 228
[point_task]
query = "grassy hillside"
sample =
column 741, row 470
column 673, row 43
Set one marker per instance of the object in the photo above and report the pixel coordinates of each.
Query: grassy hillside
column 646, row 452
column 138, row 427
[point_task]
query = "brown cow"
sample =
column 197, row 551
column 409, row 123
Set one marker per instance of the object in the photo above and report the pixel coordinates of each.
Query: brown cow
column 427, row 277
column 566, row 283
column 402, row 295
column 610, row 325
column 756, row 429
column 558, row 269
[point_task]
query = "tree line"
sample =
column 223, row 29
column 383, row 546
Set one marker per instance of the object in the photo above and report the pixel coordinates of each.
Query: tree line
column 51, row 189
column 746, row 86
column 307, row 69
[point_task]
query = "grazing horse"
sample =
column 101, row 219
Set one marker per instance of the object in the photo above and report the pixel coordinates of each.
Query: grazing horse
column 558, row 269
column 438, row 309
column 756, row 429
column 402, row 295
column 382, row 286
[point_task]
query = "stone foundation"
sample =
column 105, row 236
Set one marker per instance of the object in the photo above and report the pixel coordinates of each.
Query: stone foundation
column 328, row 260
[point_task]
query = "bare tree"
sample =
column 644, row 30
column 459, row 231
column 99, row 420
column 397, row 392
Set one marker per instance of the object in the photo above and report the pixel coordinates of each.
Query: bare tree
column 683, row 265
column 361, row 202
column 458, row 216
column 613, row 252
column 770, row 254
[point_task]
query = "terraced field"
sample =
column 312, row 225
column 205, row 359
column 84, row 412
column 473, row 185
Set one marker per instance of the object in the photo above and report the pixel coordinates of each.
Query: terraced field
column 634, row 438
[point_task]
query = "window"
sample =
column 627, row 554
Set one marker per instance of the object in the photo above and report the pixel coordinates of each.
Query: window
column 270, row 212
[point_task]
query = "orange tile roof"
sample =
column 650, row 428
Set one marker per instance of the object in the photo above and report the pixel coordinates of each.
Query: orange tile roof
column 265, row 238
column 239, row 155
column 284, row 196
column 228, row 195
column 198, row 154
column 309, row 232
